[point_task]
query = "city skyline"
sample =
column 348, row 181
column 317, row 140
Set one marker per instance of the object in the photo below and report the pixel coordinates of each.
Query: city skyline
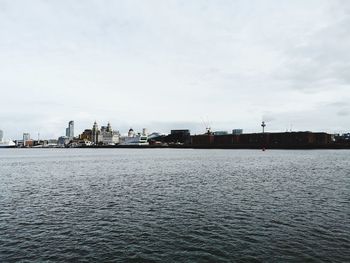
column 171, row 65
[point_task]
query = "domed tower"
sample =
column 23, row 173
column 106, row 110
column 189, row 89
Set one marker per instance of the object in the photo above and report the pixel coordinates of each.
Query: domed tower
column 131, row 133
column 95, row 133
column 109, row 127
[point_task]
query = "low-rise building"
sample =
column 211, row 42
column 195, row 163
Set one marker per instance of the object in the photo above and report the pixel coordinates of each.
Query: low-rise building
column 63, row 141
column 271, row 140
column 109, row 137
column 220, row 132
column 86, row 135
column 237, row 131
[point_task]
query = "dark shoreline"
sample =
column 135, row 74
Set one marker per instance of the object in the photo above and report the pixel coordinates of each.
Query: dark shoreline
column 223, row 147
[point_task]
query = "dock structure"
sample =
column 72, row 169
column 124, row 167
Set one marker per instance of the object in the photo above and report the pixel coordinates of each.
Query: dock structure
column 279, row 140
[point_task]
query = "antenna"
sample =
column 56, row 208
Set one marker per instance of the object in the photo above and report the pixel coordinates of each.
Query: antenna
column 206, row 125
column 208, row 128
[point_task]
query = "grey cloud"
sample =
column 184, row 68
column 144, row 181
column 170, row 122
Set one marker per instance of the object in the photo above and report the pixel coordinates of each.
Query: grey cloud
column 164, row 64
column 322, row 60
column 343, row 113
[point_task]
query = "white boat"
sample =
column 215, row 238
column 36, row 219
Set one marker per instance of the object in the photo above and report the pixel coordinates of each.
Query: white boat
column 7, row 144
column 134, row 139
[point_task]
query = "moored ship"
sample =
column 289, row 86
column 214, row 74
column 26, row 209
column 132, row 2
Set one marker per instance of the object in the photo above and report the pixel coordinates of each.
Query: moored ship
column 135, row 139
column 7, row 144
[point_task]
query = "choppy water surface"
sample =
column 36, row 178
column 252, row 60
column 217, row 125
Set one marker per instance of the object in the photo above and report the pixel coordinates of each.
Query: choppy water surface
column 159, row 205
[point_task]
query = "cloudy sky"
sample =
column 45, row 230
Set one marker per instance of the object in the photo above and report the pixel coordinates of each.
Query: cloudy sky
column 174, row 63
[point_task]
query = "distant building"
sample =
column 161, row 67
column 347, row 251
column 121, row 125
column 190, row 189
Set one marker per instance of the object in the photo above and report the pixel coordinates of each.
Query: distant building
column 220, row 132
column 144, row 132
column 70, row 130
column 26, row 139
column 237, row 131
column 1, row 136
column 131, row 133
column 109, row 137
column 156, row 135
column 278, row 140
column 51, row 143
column 86, row 135
column 343, row 138
column 63, row 141
column 180, row 132
column 178, row 137
column 95, row 134
column 105, row 136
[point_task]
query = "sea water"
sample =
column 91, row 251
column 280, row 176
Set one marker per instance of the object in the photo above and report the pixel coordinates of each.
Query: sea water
column 174, row 205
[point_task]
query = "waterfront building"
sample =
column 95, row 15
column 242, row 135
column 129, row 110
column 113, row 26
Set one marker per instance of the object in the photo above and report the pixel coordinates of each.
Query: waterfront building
column 26, row 136
column 86, row 135
column 26, row 139
column 144, row 132
column 155, row 135
column 182, row 136
column 109, row 137
column 1, row 135
column 184, row 132
column 237, row 131
column 95, row 134
column 220, row 132
column 104, row 136
column 344, row 138
column 179, row 136
column 131, row 133
column 276, row 140
column 63, row 141
column 52, row 143
column 70, row 130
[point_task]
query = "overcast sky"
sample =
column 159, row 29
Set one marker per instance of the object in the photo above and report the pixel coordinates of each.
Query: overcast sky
column 172, row 64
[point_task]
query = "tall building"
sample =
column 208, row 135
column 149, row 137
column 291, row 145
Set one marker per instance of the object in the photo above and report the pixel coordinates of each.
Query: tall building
column 1, row 135
column 70, row 130
column 95, row 134
column 26, row 138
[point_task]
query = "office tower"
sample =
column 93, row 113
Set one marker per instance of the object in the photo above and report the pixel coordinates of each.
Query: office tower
column 96, row 134
column 26, row 138
column 70, row 130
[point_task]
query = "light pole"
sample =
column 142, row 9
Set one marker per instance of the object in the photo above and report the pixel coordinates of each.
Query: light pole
column 263, row 125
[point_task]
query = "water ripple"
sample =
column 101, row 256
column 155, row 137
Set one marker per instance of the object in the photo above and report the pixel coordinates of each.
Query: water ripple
column 125, row 205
